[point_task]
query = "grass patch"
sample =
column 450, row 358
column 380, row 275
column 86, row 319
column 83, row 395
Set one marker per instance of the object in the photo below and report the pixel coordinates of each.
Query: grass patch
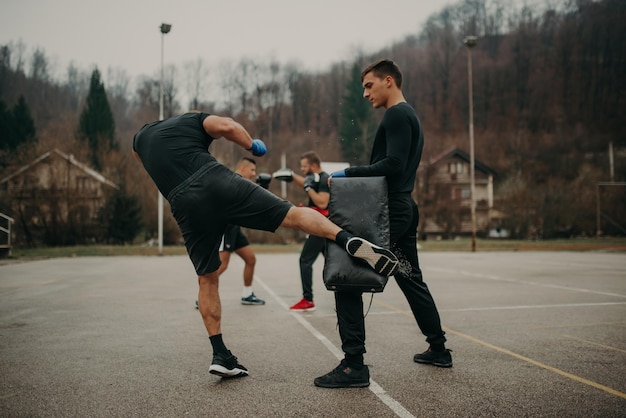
column 575, row 244
column 460, row 245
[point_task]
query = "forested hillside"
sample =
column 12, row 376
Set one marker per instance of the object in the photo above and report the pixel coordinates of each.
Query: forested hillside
column 549, row 98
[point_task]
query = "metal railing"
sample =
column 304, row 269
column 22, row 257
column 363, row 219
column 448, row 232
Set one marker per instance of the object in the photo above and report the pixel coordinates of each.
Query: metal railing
column 7, row 230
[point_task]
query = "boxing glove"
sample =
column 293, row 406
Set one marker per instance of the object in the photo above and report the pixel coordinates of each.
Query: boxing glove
column 263, row 180
column 311, row 181
column 258, row 148
column 284, row 174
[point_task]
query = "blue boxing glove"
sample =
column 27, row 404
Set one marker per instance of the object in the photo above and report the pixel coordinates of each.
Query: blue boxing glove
column 258, row 148
column 340, row 173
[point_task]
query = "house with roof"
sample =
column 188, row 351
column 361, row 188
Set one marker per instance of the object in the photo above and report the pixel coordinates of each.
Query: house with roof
column 54, row 200
column 444, row 196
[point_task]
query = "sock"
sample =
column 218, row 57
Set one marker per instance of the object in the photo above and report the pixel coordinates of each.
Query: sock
column 342, row 238
column 438, row 348
column 354, row 362
column 247, row 291
column 218, row 344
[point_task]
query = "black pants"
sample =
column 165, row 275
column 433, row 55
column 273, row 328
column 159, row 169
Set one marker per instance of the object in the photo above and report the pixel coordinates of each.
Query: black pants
column 313, row 247
column 403, row 220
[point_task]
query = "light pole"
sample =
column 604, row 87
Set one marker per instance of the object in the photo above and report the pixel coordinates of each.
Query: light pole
column 470, row 42
column 165, row 28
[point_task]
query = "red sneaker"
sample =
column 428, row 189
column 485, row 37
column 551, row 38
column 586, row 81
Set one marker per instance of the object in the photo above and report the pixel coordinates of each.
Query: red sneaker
column 303, row 306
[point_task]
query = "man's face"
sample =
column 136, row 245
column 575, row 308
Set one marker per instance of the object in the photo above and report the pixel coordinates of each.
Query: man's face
column 376, row 90
column 247, row 170
column 305, row 167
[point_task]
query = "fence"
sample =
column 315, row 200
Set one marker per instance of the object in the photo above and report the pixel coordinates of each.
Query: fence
column 5, row 245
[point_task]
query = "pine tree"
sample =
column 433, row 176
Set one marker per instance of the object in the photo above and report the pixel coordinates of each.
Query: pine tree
column 97, row 125
column 7, row 128
column 17, row 125
column 357, row 125
column 24, row 123
column 122, row 217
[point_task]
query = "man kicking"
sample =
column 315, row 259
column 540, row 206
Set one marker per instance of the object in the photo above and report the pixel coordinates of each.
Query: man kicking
column 205, row 196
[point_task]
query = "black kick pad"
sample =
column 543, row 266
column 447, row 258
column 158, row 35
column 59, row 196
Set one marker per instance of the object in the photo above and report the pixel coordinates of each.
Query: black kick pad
column 359, row 205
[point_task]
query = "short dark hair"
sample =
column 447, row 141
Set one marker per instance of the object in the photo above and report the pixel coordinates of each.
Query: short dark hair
column 248, row 159
column 311, row 157
column 383, row 68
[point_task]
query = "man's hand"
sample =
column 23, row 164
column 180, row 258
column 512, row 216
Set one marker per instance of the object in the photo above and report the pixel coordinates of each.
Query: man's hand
column 258, row 148
column 311, row 181
column 284, row 174
column 339, row 173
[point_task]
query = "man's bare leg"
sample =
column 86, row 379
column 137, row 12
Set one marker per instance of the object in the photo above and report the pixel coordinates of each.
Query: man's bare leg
column 224, row 363
column 310, row 221
column 381, row 260
column 209, row 302
column 248, row 257
column 225, row 259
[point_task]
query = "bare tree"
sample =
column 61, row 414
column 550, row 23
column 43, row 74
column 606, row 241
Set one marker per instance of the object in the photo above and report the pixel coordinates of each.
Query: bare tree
column 442, row 46
column 196, row 76
column 170, row 90
column 239, row 82
column 39, row 66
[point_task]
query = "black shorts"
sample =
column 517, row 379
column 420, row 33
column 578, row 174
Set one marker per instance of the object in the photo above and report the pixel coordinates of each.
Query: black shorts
column 233, row 239
column 214, row 197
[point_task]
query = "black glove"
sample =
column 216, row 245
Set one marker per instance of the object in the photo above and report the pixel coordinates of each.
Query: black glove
column 263, row 180
column 311, row 181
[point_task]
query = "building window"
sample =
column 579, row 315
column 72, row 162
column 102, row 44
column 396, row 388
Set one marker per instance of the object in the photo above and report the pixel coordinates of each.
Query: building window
column 455, row 167
column 82, row 184
column 462, row 193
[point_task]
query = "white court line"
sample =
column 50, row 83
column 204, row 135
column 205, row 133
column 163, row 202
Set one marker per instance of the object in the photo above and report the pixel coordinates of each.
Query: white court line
column 563, row 305
column 497, row 308
column 586, row 265
column 374, row 387
column 504, row 279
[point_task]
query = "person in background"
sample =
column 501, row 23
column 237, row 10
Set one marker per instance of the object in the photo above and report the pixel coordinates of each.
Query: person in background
column 315, row 183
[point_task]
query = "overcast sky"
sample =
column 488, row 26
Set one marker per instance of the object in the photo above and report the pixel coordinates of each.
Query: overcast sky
column 125, row 34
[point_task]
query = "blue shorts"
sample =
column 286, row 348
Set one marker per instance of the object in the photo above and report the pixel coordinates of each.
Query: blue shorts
column 214, row 197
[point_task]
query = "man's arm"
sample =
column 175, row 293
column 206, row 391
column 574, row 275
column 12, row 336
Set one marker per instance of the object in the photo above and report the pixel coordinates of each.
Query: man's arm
column 398, row 144
column 220, row 126
column 320, row 199
column 298, row 179
column 316, row 187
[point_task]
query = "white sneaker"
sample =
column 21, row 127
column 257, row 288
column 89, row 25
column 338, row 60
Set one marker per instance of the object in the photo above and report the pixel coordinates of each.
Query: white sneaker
column 383, row 261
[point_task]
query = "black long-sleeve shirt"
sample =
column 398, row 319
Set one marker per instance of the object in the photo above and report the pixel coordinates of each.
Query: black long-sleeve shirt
column 397, row 150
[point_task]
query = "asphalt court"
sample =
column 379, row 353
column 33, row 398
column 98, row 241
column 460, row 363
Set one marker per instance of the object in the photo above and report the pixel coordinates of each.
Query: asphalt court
column 532, row 334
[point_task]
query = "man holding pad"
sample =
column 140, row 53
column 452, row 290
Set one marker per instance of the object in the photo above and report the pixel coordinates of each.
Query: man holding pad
column 396, row 154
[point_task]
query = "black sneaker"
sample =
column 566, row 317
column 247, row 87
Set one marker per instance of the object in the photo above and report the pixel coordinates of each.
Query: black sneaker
column 382, row 260
column 227, row 366
column 436, row 358
column 252, row 300
column 343, row 376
